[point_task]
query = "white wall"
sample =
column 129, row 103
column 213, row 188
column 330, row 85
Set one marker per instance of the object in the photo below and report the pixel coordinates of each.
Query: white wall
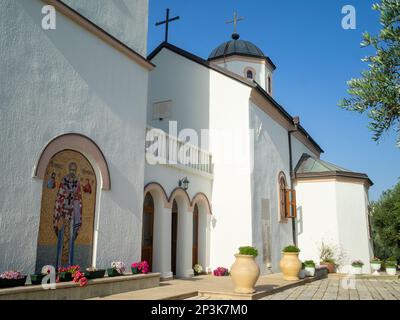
column 229, row 114
column 126, row 20
column 317, row 217
column 352, row 215
column 60, row 81
column 335, row 212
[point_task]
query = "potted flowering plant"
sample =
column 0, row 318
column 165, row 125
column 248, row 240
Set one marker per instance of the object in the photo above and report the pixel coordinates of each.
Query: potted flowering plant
column 357, row 266
column 117, row 269
column 310, row 268
column 221, row 272
column 198, row 269
column 290, row 263
column 376, row 265
column 245, row 271
column 93, row 273
column 67, row 274
column 11, row 279
column 37, row 278
column 79, row 277
column 140, row 267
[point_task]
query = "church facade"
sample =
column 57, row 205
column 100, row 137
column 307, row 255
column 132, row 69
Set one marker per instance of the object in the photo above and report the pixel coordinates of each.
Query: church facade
column 116, row 155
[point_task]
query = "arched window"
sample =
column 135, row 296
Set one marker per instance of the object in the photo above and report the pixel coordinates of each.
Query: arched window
column 249, row 74
column 282, row 197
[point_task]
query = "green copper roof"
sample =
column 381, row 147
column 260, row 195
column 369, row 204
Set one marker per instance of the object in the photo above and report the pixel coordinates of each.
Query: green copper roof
column 312, row 167
column 310, row 164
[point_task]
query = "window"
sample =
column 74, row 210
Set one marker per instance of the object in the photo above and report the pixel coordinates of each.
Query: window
column 249, row 73
column 287, row 200
column 282, row 197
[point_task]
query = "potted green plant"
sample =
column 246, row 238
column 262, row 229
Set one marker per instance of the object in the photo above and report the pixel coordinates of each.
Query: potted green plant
column 357, row 266
column 310, row 268
column 93, row 273
column 10, row 279
column 245, row 271
column 391, row 267
column 117, row 269
column 376, row 265
column 290, row 263
column 331, row 256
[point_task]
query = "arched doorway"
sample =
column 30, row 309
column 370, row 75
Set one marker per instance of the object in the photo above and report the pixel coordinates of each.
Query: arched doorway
column 147, row 230
column 67, row 214
column 174, row 236
column 195, row 244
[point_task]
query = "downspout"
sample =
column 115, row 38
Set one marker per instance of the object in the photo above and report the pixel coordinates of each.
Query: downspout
column 296, row 122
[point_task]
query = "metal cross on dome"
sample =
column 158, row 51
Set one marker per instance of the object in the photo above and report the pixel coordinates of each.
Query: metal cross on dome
column 166, row 22
column 235, row 21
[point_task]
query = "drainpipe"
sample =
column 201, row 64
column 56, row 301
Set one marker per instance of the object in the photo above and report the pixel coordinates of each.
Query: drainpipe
column 296, row 122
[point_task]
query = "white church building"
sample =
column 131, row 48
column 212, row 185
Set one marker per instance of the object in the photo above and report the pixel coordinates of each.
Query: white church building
column 113, row 154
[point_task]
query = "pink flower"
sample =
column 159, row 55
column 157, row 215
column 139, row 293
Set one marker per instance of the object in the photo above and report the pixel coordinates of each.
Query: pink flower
column 83, row 281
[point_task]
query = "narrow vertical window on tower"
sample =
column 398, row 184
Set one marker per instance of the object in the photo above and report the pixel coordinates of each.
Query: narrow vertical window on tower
column 249, row 74
column 269, row 84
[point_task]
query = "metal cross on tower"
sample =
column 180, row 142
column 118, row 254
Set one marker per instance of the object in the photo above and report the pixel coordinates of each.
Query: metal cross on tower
column 166, row 22
column 235, row 21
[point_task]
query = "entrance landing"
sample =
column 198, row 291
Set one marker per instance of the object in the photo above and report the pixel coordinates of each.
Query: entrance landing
column 216, row 288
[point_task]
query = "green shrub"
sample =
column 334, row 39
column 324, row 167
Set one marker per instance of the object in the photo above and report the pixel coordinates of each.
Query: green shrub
column 309, row 264
column 248, row 251
column 390, row 264
column 291, row 249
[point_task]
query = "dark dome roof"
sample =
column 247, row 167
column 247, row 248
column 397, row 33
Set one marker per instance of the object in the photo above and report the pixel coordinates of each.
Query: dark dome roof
column 236, row 46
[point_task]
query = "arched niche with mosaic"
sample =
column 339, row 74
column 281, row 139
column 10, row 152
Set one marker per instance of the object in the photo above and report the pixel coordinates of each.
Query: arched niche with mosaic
column 67, row 212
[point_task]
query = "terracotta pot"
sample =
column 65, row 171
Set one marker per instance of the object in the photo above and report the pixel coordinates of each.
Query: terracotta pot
column 290, row 265
column 330, row 266
column 245, row 273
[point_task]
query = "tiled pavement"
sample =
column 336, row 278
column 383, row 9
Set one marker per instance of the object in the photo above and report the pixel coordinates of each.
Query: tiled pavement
column 342, row 289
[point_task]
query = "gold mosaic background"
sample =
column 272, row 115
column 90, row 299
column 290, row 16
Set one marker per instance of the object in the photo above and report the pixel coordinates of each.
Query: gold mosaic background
column 59, row 165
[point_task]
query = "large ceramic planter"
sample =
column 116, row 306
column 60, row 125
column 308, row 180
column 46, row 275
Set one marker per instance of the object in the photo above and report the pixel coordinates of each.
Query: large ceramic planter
column 330, row 266
column 310, row 271
column 10, row 283
column 245, row 273
column 391, row 271
column 290, row 266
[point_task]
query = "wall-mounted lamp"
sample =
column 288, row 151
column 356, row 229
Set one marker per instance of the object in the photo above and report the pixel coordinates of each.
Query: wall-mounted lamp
column 184, row 183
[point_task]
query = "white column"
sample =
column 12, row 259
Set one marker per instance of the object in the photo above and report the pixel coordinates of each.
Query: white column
column 184, row 268
column 162, row 242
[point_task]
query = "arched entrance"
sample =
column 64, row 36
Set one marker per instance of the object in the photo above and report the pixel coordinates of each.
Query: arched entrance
column 147, row 230
column 67, row 214
column 174, row 236
column 195, row 245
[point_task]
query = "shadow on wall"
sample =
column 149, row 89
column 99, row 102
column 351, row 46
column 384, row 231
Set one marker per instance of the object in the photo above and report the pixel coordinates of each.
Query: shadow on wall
column 299, row 222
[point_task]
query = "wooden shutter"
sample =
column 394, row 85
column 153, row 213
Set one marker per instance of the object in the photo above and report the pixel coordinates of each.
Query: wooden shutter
column 290, row 204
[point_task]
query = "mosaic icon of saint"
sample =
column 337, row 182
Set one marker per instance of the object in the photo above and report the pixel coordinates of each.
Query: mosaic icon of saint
column 87, row 188
column 67, row 218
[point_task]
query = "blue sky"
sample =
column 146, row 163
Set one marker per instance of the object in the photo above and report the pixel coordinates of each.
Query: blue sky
column 315, row 58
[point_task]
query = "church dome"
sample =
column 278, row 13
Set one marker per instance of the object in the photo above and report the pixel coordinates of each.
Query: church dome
column 236, row 47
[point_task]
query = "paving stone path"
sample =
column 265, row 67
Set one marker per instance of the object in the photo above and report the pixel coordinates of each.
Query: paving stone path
column 342, row 289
